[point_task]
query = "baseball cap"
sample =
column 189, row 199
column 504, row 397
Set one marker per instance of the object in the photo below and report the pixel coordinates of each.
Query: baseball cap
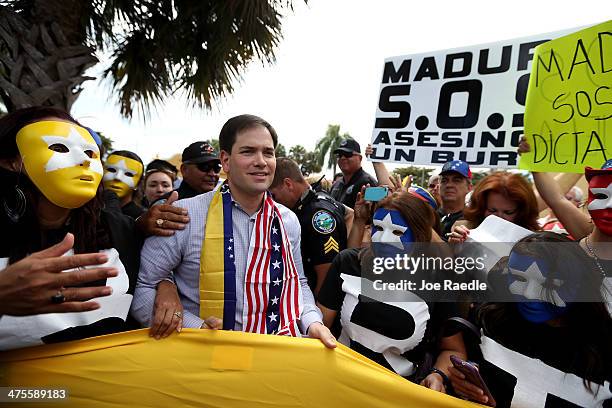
column 199, row 152
column 161, row 165
column 606, row 168
column 349, row 146
column 458, row 166
column 423, row 194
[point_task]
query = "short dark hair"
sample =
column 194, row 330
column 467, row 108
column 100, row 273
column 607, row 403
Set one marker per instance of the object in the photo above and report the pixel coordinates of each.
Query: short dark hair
column 128, row 154
column 230, row 129
column 286, row 168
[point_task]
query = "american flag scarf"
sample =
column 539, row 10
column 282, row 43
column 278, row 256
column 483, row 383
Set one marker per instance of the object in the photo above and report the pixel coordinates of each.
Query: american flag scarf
column 272, row 292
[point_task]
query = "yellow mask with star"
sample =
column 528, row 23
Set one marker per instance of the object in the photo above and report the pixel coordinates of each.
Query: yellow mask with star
column 62, row 160
column 122, row 174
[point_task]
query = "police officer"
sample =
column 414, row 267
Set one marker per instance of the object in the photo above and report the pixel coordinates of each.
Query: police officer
column 323, row 220
column 353, row 176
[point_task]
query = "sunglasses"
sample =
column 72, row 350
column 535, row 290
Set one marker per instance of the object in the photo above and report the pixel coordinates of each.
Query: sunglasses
column 206, row 167
column 344, row 154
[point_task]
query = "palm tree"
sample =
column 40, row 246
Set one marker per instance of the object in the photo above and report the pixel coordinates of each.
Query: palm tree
column 328, row 144
column 198, row 47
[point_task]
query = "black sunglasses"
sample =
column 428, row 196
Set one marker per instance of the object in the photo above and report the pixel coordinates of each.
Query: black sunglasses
column 206, row 167
column 344, row 154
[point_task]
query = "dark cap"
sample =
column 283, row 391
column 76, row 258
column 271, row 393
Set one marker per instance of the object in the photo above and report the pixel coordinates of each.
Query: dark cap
column 606, row 168
column 199, row 152
column 162, row 165
column 457, row 166
column 349, row 146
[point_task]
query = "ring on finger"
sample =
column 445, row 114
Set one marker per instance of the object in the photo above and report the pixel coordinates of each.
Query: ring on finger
column 178, row 314
column 58, row 297
column 160, row 222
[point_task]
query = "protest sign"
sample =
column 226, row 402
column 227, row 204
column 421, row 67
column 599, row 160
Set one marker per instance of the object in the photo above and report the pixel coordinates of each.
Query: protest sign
column 568, row 117
column 465, row 103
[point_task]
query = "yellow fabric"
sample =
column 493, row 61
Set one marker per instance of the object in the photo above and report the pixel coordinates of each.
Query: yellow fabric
column 212, row 270
column 62, row 160
column 570, row 91
column 213, row 369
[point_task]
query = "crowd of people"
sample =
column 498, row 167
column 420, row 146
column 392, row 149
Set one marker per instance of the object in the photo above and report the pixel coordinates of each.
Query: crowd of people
column 93, row 248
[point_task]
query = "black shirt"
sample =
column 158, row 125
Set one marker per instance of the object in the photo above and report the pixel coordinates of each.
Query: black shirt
column 323, row 231
column 132, row 210
column 346, row 193
column 406, row 332
column 521, row 360
column 185, row 191
column 447, row 220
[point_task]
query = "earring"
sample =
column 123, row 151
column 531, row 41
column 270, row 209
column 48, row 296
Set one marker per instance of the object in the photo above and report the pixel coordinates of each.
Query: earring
column 15, row 214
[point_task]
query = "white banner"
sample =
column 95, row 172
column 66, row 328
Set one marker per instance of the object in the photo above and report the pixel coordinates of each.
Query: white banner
column 465, row 103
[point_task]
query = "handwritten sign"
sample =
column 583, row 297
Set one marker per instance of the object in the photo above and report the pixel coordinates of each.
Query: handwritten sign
column 568, row 113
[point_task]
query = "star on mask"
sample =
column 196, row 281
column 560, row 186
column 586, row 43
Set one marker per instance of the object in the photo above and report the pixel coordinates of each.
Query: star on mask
column 76, row 155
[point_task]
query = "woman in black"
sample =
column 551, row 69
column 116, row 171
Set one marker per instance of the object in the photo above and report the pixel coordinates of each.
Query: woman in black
column 403, row 335
column 551, row 345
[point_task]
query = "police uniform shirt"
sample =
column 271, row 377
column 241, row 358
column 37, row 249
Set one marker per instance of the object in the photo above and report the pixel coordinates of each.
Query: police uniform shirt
column 396, row 335
column 324, row 232
column 346, row 193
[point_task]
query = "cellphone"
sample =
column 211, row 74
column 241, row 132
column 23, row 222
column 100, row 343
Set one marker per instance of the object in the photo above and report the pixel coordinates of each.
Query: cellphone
column 375, row 193
column 470, row 370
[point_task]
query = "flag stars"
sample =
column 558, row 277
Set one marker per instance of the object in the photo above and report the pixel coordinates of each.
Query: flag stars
column 276, row 264
column 274, row 230
column 229, row 248
column 276, row 282
column 276, row 247
column 272, row 317
column 274, row 300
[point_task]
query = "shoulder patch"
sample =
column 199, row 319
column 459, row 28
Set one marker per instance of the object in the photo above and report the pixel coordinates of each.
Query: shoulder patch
column 323, row 222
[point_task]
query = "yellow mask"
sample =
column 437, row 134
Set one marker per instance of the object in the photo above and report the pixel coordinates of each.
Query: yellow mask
column 122, row 174
column 62, row 160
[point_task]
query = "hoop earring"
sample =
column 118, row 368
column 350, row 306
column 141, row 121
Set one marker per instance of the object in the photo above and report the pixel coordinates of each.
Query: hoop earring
column 15, row 214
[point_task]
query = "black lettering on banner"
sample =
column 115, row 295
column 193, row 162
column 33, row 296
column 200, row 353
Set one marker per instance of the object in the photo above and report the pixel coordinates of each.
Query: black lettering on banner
column 576, row 134
column 504, row 64
column 602, row 103
column 601, row 148
column 474, row 89
column 521, row 89
column 382, row 137
column 400, row 75
column 401, row 107
column 452, row 139
column 480, row 157
column 385, row 153
column 547, row 67
column 441, row 157
column 403, row 155
column 535, row 148
column 510, row 158
column 516, row 137
column 555, row 148
column 404, row 139
column 425, row 141
column 428, row 69
column 601, row 50
column 584, row 115
column 497, row 141
column 526, row 54
column 571, row 115
column 449, row 71
column 580, row 45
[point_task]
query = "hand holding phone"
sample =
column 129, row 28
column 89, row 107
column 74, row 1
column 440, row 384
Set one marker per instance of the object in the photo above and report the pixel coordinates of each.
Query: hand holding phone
column 375, row 193
column 472, row 375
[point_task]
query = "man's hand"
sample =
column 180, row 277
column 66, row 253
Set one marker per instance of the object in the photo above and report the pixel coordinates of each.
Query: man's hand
column 163, row 219
column 168, row 311
column 28, row 286
column 434, row 382
column 213, row 323
column 318, row 331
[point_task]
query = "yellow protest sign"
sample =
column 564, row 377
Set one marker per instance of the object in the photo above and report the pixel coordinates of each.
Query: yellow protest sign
column 210, row 368
column 568, row 112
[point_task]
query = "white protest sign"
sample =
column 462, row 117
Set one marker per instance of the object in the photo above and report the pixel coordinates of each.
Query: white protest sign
column 465, row 103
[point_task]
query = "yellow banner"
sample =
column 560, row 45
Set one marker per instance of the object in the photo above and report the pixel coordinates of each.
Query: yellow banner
column 568, row 112
column 210, row 368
